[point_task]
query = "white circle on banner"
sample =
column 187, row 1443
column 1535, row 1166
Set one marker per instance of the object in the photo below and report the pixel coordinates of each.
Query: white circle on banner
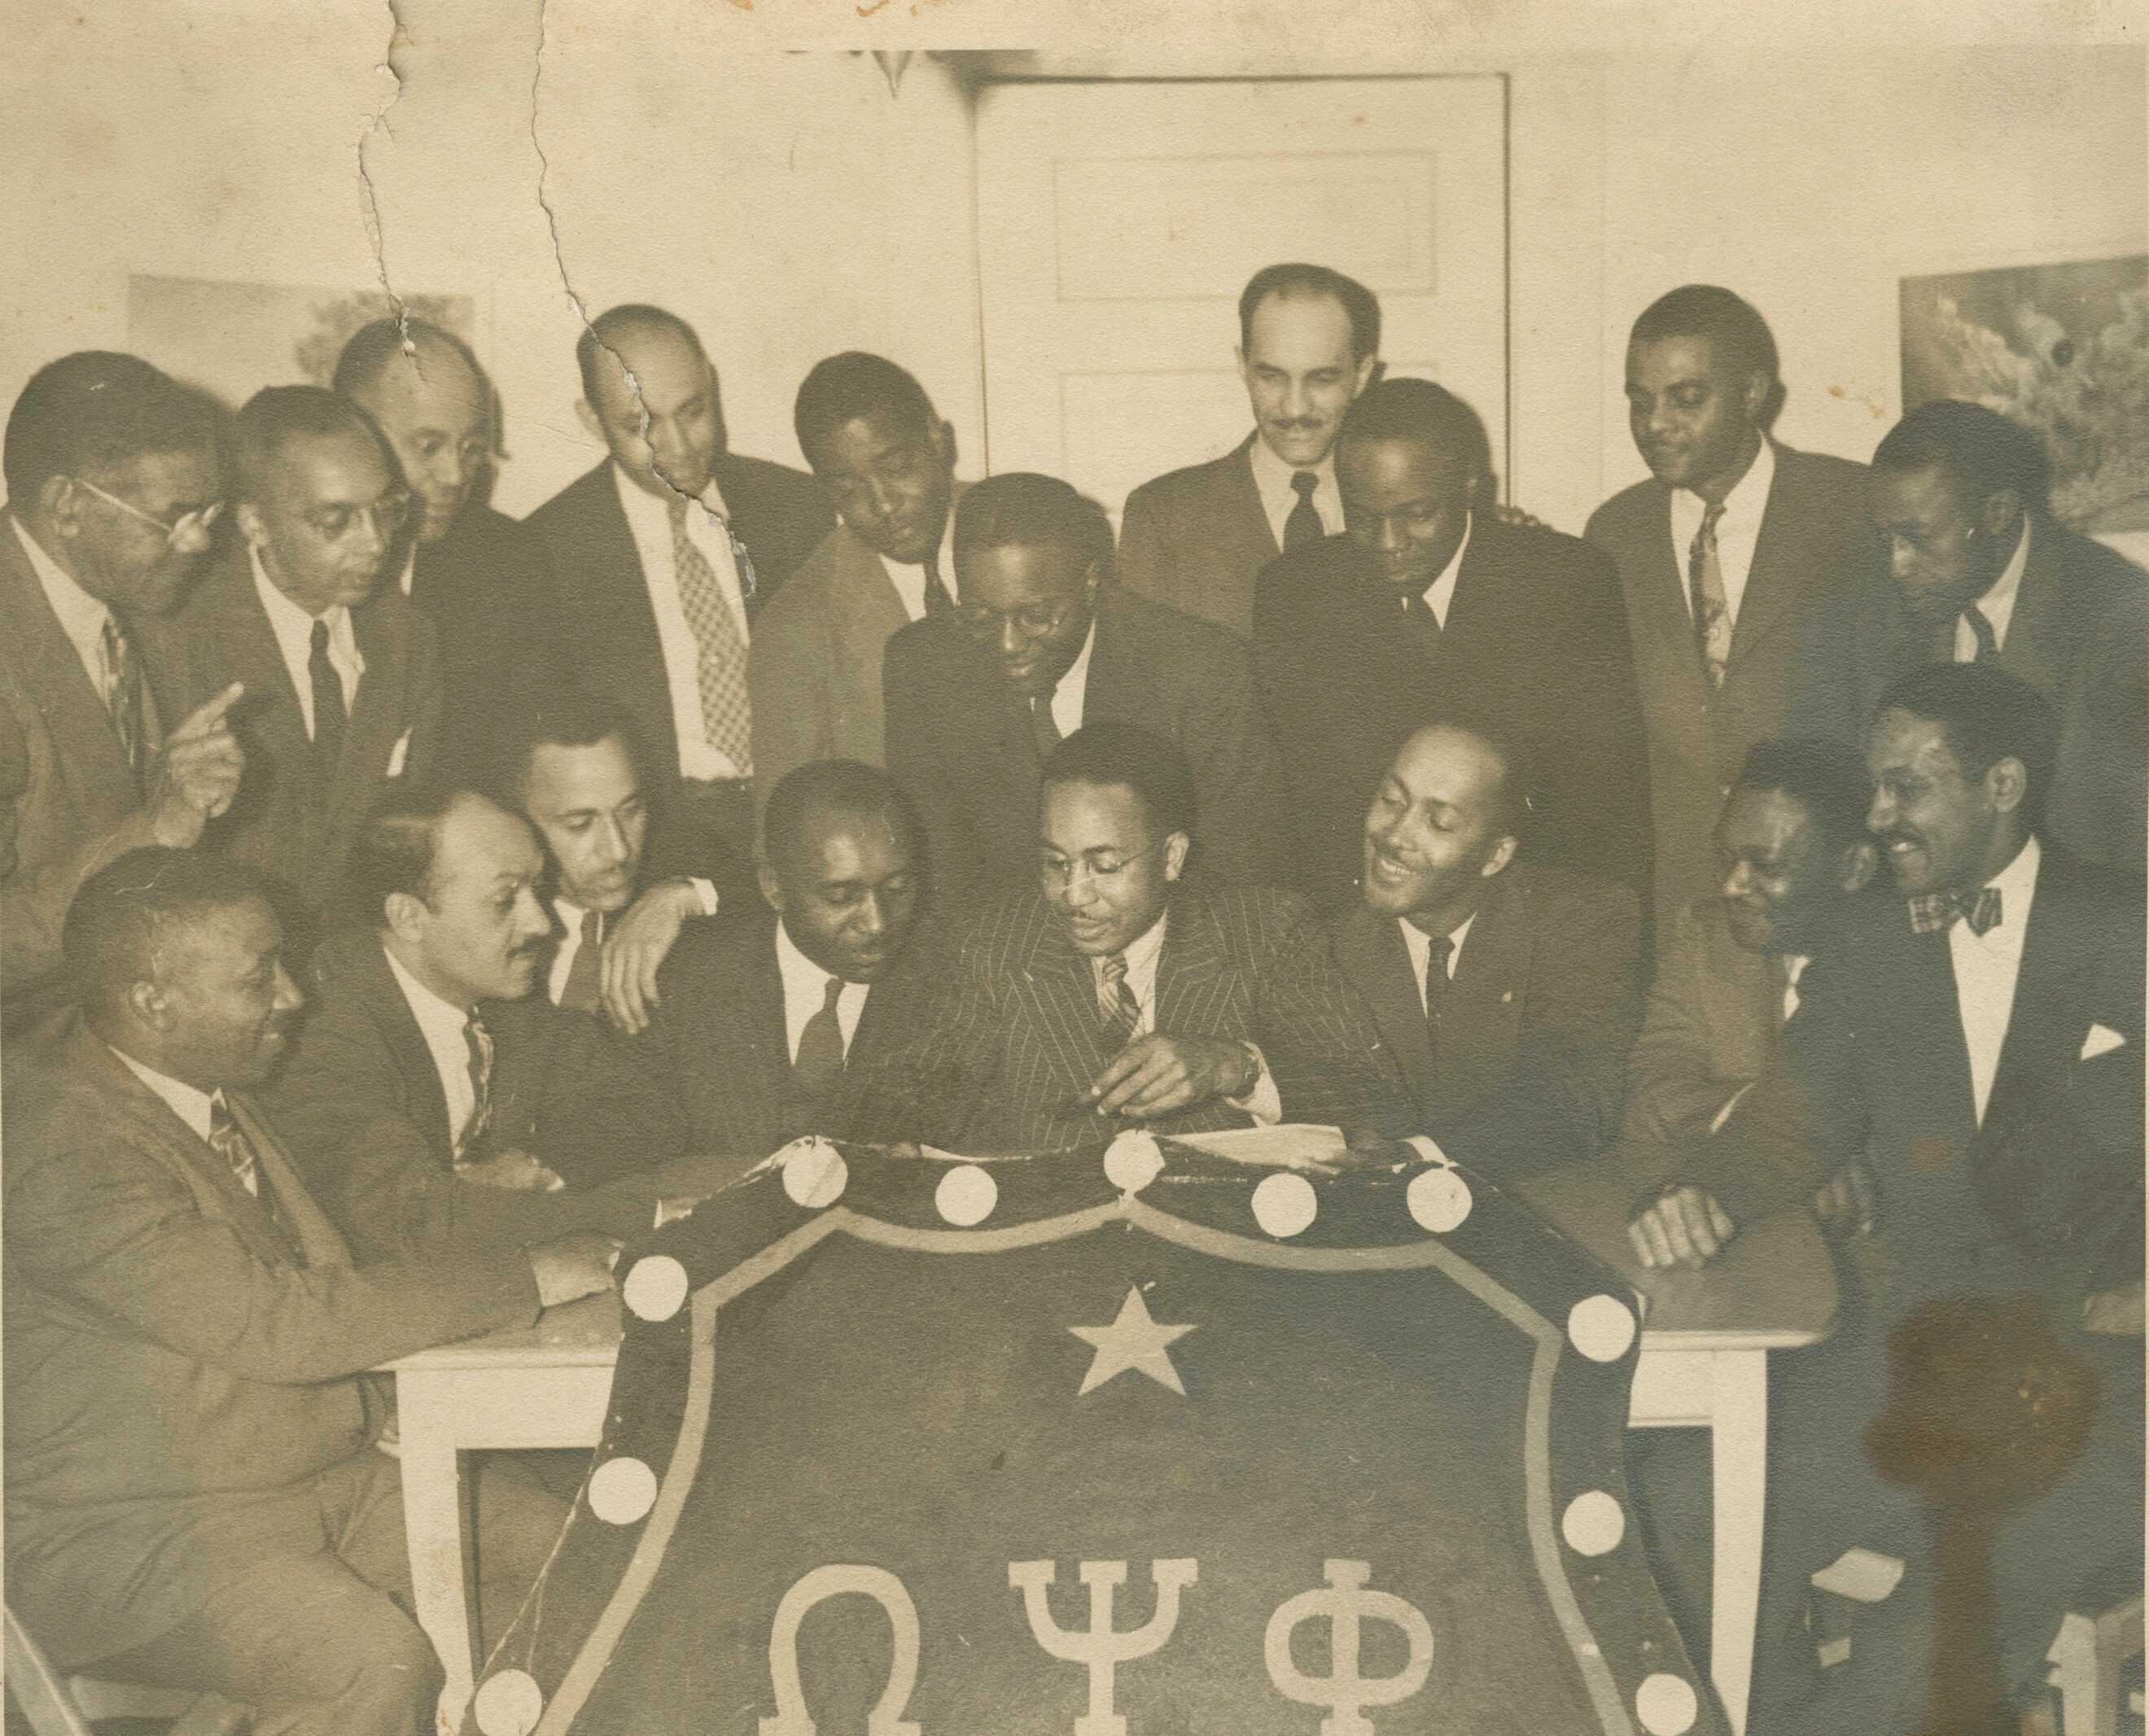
column 1666, row 1705
column 621, row 1491
column 1133, row 1161
column 1594, row 1523
column 815, row 1174
column 655, row 1287
column 509, row 1704
column 1439, row 1201
column 1601, row 1327
column 966, row 1195
column 1284, row 1204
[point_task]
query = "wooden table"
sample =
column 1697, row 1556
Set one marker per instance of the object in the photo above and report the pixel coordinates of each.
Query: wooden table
column 1704, row 1364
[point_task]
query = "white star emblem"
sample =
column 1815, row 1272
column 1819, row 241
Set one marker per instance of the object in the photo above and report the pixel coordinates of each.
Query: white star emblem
column 1134, row 1341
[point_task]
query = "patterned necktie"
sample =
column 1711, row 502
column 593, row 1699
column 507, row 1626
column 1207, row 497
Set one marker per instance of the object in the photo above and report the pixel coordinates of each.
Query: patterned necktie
column 1043, row 727
column 1712, row 615
column 720, row 668
column 228, row 1140
column 937, row 599
column 1304, row 525
column 1988, row 642
column 123, row 694
column 1932, row 912
column 480, row 1040
column 820, row 1061
column 328, row 714
column 579, row 991
column 1115, row 1001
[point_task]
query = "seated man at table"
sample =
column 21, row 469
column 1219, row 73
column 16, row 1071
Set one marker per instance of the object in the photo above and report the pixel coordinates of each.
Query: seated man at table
column 194, row 1496
column 1507, row 991
column 1112, row 994
column 1793, row 847
column 766, row 1018
column 430, row 1092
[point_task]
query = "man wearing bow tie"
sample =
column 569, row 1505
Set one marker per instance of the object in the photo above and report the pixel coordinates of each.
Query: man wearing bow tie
column 2001, row 997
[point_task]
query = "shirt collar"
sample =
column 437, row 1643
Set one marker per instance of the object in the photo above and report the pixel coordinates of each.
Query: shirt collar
column 408, row 576
column 1998, row 604
column 651, row 515
column 435, row 1016
column 1443, row 587
column 805, row 984
column 1748, row 495
column 82, row 617
column 2018, row 885
column 1076, row 679
column 1272, row 475
column 292, row 626
column 1419, row 945
column 192, row 1106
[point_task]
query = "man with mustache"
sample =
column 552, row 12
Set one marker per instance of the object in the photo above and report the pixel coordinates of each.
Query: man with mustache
column 194, row 1495
column 431, row 1094
column 1506, row 991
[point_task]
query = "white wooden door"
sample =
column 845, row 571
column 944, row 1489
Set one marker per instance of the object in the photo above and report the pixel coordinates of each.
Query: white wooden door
column 1117, row 223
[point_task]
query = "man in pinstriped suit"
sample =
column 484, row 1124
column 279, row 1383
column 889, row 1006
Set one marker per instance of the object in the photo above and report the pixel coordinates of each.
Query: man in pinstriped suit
column 1111, row 995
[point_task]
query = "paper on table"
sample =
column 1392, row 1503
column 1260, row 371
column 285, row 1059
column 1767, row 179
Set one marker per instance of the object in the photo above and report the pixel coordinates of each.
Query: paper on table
column 1865, row 1575
column 1291, row 1145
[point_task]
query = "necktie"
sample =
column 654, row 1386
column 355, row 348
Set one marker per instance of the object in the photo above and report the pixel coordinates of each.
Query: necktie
column 579, row 991
column 1115, row 1001
column 1932, row 912
column 720, row 668
column 820, row 1061
column 1304, row 525
column 1436, row 984
column 480, row 1040
column 1420, row 621
column 1043, row 725
column 1712, row 615
column 1988, row 642
column 328, row 714
column 123, row 693
column 228, row 1140
column 937, row 599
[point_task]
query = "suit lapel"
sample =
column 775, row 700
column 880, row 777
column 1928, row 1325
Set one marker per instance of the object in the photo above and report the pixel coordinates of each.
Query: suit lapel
column 1192, row 972
column 318, row 1239
column 1483, row 1019
column 376, row 713
column 1056, row 984
column 2040, row 647
column 1378, row 965
column 1245, row 500
column 865, row 610
column 406, row 1043
column 59, row 687
column 620, row 652
column 2047, row 1021
column 1773, row 580
column 766, row 1050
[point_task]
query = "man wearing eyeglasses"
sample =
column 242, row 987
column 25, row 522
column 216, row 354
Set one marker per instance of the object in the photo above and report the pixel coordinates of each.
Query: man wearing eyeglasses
column 113, row 487
column 1111, row 994
column 1039, row 643
column 341, row 673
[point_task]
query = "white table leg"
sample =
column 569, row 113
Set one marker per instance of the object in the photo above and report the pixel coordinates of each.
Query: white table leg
column 1738, row 1456
column 432, row 1516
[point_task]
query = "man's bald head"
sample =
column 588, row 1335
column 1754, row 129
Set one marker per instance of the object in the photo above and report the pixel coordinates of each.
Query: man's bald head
column 650, row 394
column 432, row 400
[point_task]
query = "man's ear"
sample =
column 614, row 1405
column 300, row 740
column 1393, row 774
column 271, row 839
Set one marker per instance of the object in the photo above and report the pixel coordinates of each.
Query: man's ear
column 1503, row 853
column 1857, row 866
column 61, row 502
column 405, row 913
column 1759, row 386
column 1245, row 374
column 1368, row 370
column 247, row 516
column 149, row 1005
column 765, row 876
column 2007, row 782
column 1999, row 510
column 944, row 443
column 1175, row 847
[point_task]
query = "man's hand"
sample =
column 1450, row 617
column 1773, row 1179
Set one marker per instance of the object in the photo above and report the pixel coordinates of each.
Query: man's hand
column 197, row 772
column 1157, row 1075
column 573, row 1268
column 1846, row 1202
column 1685, row 1227
column 516, row 1171
column 639, row 942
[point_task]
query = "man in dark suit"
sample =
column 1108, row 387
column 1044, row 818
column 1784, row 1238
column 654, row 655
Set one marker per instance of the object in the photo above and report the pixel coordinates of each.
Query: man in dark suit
column 768, row 1021
column 1111, row 993
column 479, row 573
column 1309, row 343
column 1792, row 845
column 341, row 674
column 1727, row 556
column 195, row 1497
column 430, row 1095
column 663, row 557
column 1506, row 991
column 888, row 462
column 114, row 485
column 1041, row 642
column 1937, row 1033
column 1426, row 604
column 1982, row 572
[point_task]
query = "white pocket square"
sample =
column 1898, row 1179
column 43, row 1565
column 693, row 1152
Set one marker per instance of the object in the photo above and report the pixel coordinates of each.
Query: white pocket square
column 397, row 754
column 2101, row 1040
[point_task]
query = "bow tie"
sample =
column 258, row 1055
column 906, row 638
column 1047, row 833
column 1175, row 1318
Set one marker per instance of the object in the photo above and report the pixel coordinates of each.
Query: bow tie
column 1931, row 912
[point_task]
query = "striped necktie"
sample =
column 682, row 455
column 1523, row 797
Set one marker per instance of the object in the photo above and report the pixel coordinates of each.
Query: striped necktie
column 1116, row 1003
column 123, row 695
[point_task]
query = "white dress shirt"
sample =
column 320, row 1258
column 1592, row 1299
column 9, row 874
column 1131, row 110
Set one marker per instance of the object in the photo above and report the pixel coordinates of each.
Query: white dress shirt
column 1738, row 532
column 445, row 1029
column 1272, row 483
column 570, row 915
column 1997, row 604
column 1793, row 966
column 190, row 1104
column 293, row 630
column 806, row 990
column 1985, row 966
column 1441, row 592
column 1419, row 945
column 1262, row 1100
column 649, row 518
column 1067, row 698
column 408, row 576
column 908, row 578
column 81, row 617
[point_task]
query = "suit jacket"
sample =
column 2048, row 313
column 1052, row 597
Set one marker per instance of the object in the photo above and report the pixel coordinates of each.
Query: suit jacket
column 1815, row 558
column 960, row 739
column 1528, row 1072
column 1196, row 538
column 288, row 821
column 361, row 1105
column 174, row 1353
column 816, row 666
column 1013, row 1034
column 1535, row 640
column 485, row 586
column 2080, row 635
column 601, row 612
column 68, row 800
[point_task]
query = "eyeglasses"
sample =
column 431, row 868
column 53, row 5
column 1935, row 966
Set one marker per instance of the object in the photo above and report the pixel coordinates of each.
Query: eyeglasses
column 388, row 515
column 198, row 522
column 1033, row 620
column 1059, row 872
